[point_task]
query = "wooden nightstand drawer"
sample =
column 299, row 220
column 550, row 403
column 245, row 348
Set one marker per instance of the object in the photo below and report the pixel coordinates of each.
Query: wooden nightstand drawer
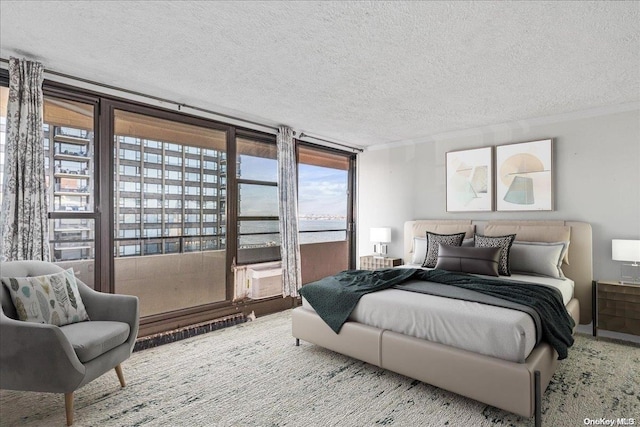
column 618, row 307
column 619, row 324
column 619, row 292
column 371, row 262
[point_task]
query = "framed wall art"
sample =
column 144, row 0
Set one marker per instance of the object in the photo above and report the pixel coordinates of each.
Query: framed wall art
column 469, row 180
column 524, row 176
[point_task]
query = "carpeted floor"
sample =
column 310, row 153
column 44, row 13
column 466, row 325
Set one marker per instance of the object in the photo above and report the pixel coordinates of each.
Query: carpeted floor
column 253, row 375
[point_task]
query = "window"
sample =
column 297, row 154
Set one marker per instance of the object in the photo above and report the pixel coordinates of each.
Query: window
column 173, row 175
column 152, row 203
column 129, row 218
column 153, row 218
column 194, row 191
column 173, row 160
column 129, row 186
column 129, row 249
column 212, row 179
column 129, row 234
column 174, row 203
column 152, row 173
column 257, row 176
column 152, row 144
column 323, row 197
column 129, row 170
column 160, row 212
column 157, row 188
column 69, row 150
column 129, row 202
column 151, row 232
column 68, row 143
column 127, row 154
column 193, row 163
column 213, row 192
column 192, row 218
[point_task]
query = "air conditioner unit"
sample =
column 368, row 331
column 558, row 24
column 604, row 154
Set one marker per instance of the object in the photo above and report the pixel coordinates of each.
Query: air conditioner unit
column 264, row 281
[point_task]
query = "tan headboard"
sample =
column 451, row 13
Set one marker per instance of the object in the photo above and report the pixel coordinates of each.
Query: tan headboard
column 580, row 269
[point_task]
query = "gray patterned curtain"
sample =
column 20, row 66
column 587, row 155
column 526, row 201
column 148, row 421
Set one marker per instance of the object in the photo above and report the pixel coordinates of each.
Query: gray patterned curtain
column 25, row 228
column 288, row 210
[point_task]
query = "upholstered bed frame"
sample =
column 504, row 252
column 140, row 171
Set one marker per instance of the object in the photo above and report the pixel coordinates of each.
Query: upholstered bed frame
column 514, row 387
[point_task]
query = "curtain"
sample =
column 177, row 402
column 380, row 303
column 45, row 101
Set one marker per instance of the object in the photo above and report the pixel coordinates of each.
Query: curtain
column 288, row 210
column 25, row 227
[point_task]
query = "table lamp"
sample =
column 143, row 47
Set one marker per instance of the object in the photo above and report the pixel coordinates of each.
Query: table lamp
column 627, row 251
column 380, row 236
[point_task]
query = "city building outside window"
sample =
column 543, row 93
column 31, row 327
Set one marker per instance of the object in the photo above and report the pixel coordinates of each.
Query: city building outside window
column 169, row 233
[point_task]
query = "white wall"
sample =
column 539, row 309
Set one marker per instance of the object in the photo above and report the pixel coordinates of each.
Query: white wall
column 597, row 179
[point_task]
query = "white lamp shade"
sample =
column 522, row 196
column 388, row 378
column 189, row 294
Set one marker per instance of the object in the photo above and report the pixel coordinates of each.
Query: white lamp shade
column 380, row 234
column 625, row 250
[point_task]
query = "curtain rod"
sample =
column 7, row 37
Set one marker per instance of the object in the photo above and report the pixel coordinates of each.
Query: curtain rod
column 181, row 105
column 303, row 135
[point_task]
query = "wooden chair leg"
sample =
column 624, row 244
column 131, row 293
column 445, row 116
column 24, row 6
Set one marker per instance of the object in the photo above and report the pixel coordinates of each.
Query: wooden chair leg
column 68, row 407
column 120, row 375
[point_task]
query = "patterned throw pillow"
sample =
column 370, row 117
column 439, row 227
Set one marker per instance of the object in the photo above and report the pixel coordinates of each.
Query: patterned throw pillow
column 433, row 240
column 503, row 242
column 52, row 299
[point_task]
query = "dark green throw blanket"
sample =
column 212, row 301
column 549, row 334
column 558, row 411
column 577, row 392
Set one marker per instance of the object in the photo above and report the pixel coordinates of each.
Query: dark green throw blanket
column 335, row 297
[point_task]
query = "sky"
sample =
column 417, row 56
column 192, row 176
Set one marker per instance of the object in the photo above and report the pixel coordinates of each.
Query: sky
column 321, row 191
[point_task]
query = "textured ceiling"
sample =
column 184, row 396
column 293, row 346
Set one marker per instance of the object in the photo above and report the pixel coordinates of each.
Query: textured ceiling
column 358, row 72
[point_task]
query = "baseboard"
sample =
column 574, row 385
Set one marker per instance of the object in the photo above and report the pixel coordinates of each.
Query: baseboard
column 615, row 340
column 188, row 331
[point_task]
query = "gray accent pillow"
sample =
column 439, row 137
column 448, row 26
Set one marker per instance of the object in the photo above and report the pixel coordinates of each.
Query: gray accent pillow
column 544, row 259
column 433, row 240
column 469, row 259
column 503, row 242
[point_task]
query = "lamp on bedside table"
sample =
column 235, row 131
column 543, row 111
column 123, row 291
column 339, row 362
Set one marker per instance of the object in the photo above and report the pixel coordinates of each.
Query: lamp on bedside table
column 628, row 251
column 380, row 236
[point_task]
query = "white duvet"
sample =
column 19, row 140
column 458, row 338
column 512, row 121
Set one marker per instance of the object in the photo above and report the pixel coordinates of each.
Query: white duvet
column 493, row 331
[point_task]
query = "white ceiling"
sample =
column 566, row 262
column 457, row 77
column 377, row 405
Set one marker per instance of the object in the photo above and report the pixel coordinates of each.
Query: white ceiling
column 363, row 73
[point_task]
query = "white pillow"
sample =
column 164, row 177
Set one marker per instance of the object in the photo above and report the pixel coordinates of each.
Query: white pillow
column 419, row 250
column 539, row 258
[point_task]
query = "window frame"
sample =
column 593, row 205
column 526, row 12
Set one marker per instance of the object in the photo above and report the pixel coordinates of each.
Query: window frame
column 247, row 256
column 94, row 101
column 110, row 106
column 350, row 230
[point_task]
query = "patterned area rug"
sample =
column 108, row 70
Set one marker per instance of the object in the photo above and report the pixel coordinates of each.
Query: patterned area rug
column 253, row 375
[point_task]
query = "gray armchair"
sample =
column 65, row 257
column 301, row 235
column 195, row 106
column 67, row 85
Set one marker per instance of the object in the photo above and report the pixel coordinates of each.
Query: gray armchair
column 48, row 358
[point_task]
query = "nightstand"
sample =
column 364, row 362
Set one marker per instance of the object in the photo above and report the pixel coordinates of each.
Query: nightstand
column 616, row 307
column 370, row 262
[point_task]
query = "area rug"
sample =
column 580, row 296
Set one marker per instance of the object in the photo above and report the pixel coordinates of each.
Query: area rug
column 253, row 375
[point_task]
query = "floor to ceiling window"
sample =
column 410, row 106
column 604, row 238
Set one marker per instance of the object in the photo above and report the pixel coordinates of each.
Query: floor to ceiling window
column 323, row 195
column 169, row 212
column 69, row 150
column 257, row 176
column 69, row 163
column 325, row 211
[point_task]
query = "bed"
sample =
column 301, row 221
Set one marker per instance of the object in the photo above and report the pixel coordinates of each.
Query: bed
column 512, row 385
